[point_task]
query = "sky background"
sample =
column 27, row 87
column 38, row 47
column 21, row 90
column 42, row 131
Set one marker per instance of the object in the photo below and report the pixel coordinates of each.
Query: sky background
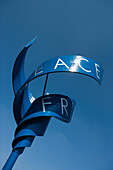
column 64, row 27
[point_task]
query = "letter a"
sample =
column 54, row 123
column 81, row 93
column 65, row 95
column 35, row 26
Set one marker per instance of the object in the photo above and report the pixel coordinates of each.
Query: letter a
column 62, row 63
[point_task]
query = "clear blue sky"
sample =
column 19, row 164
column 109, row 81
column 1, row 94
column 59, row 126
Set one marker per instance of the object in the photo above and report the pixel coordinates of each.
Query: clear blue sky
column 64, row 27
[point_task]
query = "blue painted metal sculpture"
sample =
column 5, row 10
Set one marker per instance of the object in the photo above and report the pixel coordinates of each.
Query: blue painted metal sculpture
column 33, row 115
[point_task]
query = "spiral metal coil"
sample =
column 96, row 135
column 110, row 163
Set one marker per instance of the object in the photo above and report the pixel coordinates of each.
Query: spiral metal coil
column 33, row 115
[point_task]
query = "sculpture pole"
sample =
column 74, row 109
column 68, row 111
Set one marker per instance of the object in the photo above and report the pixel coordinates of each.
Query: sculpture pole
column 33, row 115
column 12, row 158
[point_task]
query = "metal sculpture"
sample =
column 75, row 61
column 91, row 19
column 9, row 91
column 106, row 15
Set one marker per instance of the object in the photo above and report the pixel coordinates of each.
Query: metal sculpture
column 33, row 115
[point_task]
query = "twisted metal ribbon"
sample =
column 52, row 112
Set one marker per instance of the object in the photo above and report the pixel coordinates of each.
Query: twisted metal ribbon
column 33, row 115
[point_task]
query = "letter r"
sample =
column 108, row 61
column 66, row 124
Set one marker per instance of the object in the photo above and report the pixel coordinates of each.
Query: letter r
column 64, row 105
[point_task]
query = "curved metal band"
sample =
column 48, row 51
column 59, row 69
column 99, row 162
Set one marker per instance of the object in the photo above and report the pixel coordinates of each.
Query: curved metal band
column 54, row 103
column 70, row 63
column 36, row 119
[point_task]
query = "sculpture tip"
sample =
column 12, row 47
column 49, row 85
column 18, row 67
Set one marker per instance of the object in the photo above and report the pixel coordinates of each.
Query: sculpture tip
column 31, row 42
